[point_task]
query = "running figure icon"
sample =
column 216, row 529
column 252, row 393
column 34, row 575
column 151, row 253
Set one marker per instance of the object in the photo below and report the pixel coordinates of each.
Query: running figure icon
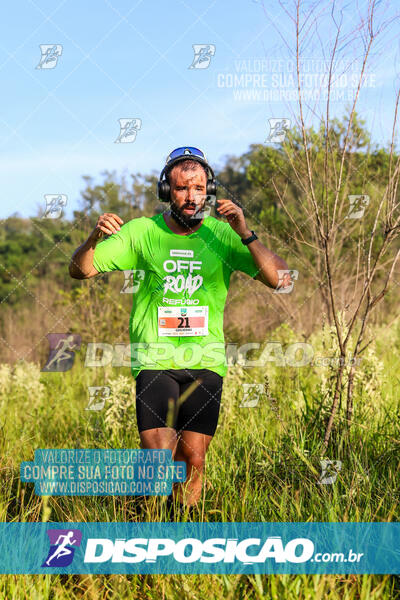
column 62, row 549
column 62, row 351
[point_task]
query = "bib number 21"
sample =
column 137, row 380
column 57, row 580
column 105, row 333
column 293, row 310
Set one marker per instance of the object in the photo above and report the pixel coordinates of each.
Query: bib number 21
column 180, row 321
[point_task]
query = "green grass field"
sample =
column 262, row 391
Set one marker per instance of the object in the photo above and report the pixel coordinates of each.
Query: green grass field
column 263, row 465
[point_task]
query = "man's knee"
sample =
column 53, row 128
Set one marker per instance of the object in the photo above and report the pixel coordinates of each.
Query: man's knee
column 158, row 438
column 194, row 460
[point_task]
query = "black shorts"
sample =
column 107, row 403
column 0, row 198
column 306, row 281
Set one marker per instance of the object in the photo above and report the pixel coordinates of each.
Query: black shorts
column 157, row 394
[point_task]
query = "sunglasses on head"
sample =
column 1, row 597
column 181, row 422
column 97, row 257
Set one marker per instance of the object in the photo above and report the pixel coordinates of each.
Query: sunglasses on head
column 185, row 151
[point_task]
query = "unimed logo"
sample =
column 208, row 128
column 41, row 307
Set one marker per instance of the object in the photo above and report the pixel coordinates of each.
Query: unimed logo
column 190, row 550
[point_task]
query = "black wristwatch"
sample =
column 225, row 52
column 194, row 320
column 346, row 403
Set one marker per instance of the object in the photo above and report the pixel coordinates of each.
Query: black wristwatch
column 253, row 237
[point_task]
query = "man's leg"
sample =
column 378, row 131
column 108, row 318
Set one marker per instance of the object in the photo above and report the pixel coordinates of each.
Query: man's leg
column 160, row 438
column 192, row 448
column 196, row 424
column 156, row 395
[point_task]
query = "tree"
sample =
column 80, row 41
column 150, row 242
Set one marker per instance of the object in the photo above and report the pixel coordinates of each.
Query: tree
column 346, row 226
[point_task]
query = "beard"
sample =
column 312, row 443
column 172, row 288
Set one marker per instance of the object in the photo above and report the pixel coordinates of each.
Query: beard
column 186, row 221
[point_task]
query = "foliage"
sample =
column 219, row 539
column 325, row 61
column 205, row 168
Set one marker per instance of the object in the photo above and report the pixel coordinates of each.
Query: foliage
column 369, row 370
column 119, row 407
column 263, row 465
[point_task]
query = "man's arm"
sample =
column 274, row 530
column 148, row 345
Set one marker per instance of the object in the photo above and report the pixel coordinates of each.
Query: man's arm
column 267, row 261
column 81, row 265
column 269, row 264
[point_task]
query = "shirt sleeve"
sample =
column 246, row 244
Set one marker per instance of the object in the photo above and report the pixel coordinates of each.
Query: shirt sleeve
column 240, row 257
column 116, row 253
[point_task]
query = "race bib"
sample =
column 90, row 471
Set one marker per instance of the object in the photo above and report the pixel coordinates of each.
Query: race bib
column 178, row 321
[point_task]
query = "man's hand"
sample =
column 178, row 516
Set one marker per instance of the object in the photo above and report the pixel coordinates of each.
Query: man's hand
column 268, row 263
column 235, row 217
column 81, row 265
column 108, row 223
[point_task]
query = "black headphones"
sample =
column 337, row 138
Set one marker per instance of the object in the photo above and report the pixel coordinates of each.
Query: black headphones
column 163, row 187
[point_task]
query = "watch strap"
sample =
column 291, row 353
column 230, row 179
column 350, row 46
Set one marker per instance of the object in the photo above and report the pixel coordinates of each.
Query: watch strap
column 250, row 239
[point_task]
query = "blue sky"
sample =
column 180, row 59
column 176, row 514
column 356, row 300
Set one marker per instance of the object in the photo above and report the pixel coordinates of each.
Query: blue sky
column 125, row 59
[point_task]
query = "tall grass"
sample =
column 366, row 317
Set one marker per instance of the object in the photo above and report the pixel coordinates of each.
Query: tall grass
column 263, row 465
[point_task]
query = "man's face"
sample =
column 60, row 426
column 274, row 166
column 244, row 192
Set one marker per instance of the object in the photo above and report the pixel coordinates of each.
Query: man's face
column 188, row 195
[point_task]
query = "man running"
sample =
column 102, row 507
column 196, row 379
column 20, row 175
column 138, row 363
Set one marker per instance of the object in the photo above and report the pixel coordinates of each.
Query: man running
column 176, row 324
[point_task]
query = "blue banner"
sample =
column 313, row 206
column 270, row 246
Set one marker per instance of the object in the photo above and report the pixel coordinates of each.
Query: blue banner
column 103, row 472
column 336, row 548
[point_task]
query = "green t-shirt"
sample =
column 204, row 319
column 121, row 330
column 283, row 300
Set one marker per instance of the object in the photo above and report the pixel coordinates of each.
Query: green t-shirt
column 181, row 286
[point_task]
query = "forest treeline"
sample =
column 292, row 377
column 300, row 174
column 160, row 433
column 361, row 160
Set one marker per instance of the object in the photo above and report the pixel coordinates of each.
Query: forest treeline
column 266, row 180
